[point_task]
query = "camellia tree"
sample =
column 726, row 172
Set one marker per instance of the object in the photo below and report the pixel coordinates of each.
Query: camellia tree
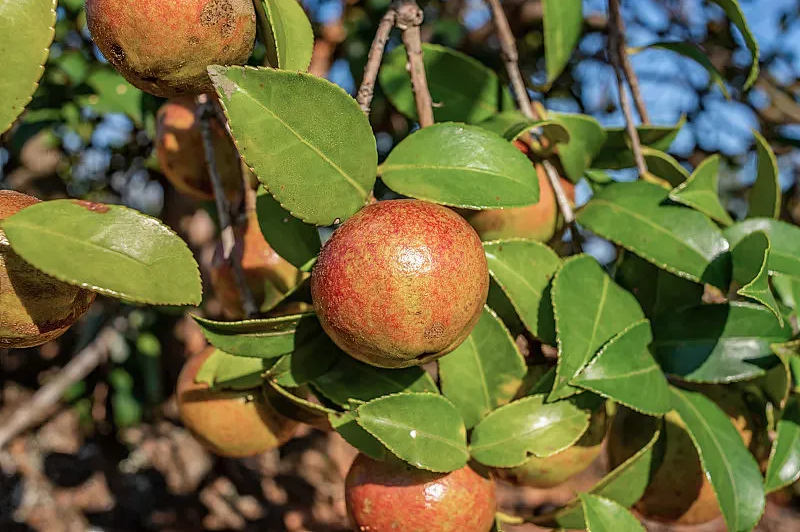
column 397, row 330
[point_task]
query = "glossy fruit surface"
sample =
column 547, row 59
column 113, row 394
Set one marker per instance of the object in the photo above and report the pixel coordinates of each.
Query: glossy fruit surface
column 34, row 307
column 400, row 283
column 179, row 148
column 228, row 423
column 164, row 47
column 394, row 496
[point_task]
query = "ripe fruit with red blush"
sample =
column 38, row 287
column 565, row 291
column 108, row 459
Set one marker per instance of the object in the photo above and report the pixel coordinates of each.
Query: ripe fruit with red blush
column 164, row 47
column 400, row 283
column 229, row 423
column 179, row 147
column 393, row 495
column 34, row 307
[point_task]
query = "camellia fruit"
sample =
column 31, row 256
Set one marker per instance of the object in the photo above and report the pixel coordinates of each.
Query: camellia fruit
column 229, row 423
column 679, row 491
column 556, row 469
column 539, row 221
column 34, row 307
column 400, row 283
column 179, row 148
column 164, row 47
column 392, row 495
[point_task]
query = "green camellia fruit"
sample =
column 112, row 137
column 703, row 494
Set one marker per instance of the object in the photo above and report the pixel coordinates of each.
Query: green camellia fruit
column 34, row 307
column 393, row 495
column 164, row 47
column 556, row 469
column 679, row 491
column 400, row 283
column 229, row 423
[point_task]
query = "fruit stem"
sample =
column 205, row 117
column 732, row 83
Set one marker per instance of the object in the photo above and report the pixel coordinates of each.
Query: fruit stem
column 232, row 243
column 367, row 89
column 619, row 58
column 409, row 19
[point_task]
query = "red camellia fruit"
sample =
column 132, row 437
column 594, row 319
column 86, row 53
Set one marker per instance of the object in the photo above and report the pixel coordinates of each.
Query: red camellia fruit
column 179, row 147
column 229, row 423
column 400, row 283
column 394, row 496
column 34, row 307
column 164, row 47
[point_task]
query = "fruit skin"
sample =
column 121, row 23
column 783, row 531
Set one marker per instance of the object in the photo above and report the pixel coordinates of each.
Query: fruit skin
column 392, row 495
column 34, row 307
column 556, row 469
column 268, row 275
column 164, row 47
column 179, row 148
column 400, row 283
column 679, row 492
column 539, row 221
column 228, row 423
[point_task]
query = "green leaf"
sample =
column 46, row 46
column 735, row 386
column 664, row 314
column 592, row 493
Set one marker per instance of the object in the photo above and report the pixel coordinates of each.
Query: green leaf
column 347, row 427
column 484, row 372
column 736, row 16
column 225, row 371
column 784, row 255
column 110, row 249
column 692, row 51
column 265, row 338
column 625, row 371
column 511, row 124
column 292, row 239
column 463, row 89
column 590, row 309
column 286, row 32
column 755, row 280
column 350, row 379
column 788, row 288
column 727, row 463
column 784, row 460
column 765, row 196
column 462, row 166
column 656, row 290
column 718, row 343
column 292, row 404
column 701, row 191
column 529, row 426
column 626, row 483
column 27, row 28
column 563, row 25
column 777, row 383
column 314, row 354
column 308, row 169
column 524, row 270
column 677, row 239
column 664, row 166
column 616, row 153
column 586, row 138
column 422, row 429
column 605, row 515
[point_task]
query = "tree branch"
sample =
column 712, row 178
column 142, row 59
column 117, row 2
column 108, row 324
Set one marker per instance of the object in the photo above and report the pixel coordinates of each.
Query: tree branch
column 409, row 19
column 367, row 89
column 617, row 25
column 232, row 244
column 617, row 52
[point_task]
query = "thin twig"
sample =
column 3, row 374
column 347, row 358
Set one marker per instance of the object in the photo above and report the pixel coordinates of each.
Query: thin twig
column 618, row 25
column 367, row 89
column 409, row 19
column 232, row 244
column 508, row 46
column 617, row 51
column 48, row 395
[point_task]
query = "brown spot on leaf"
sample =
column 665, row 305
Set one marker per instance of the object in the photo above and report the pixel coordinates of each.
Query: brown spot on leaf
column 99, row 208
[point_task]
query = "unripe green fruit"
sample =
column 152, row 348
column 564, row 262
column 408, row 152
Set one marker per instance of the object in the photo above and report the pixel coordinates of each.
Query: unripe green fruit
column 400, row 283
column 394, row 496
column 163, row 47
column 34, row 307
column 679, row 491
column 556, row 469
column 228, row 423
